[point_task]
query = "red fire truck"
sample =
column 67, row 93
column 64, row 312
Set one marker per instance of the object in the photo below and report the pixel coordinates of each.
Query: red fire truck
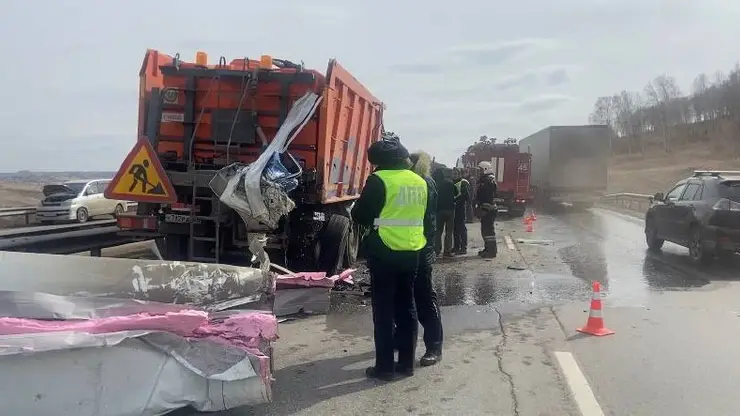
column 512, row 173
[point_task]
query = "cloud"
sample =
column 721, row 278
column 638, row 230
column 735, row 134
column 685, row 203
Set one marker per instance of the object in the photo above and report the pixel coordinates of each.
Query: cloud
column 544, row 77
column 557, row 77
column 418, row 68
column 447, row 75
column 474, row 56
column 543, row 102
column 487, row 55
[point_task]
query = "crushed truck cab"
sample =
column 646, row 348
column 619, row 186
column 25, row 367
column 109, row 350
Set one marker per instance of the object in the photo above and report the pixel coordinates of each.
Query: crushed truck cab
column 196, row 118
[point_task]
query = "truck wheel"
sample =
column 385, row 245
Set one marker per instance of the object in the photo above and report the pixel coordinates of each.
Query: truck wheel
column 173, row 247
column 334, row 244
column 353, row 245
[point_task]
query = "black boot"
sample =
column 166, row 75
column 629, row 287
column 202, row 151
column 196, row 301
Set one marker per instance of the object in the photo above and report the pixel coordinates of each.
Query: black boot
column 403, row 371
column 372, row 372
column 490, row 251
column 431, row 357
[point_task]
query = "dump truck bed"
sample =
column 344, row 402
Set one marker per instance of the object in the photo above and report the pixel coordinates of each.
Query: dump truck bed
column 204, row 117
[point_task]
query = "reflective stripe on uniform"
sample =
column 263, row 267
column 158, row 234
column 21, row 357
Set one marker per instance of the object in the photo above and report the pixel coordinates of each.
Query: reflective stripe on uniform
column 392, row 222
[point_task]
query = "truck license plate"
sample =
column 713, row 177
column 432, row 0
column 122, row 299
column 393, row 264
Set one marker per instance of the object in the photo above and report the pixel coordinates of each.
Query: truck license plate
column 177, row 218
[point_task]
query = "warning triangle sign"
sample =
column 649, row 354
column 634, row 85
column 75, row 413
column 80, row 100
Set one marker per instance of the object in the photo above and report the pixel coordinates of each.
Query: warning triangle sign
column 141, row 178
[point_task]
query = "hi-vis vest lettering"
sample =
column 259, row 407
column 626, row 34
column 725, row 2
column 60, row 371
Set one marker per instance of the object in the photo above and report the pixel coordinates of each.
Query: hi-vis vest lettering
column 401, row 222
column 141, row 178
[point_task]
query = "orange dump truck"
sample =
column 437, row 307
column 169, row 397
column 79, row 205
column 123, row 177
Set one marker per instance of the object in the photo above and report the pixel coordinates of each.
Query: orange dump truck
column 197, row 118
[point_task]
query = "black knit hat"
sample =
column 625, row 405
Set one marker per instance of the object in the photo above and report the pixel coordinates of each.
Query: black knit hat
column 387, row 152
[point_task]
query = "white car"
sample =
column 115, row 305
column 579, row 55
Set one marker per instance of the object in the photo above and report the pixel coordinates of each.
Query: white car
column 77, row 201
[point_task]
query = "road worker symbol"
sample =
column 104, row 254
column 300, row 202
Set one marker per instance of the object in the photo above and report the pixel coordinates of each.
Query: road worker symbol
column 141, row 178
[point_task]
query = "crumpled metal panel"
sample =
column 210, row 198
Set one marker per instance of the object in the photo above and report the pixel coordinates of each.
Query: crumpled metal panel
column 211, row 286
column 127, row 372
column 130, row 378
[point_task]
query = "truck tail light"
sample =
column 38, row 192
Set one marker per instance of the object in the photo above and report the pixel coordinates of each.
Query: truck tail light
column 137, row 222
column 178, row 206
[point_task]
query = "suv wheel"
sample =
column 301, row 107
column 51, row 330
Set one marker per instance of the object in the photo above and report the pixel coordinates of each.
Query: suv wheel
column 82, row 215
column 651, row 236
column 697, row 249
column 118, row 211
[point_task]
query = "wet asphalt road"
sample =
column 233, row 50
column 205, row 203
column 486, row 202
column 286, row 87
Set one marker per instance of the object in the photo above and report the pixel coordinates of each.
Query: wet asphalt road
column 510, row 321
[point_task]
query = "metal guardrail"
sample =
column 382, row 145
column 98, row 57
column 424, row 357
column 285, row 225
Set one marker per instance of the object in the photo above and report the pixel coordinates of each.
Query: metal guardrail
column 27, row 212
column 65, row 239
column 30, row 212
column 630, row 201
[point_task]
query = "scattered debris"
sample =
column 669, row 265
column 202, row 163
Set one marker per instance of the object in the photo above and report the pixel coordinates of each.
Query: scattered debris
column 530, row 241
column 516, row 268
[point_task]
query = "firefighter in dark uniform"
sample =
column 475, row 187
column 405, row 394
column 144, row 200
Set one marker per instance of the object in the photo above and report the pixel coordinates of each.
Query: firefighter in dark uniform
column 394, row 203
column 461, row 204
column 485, row 198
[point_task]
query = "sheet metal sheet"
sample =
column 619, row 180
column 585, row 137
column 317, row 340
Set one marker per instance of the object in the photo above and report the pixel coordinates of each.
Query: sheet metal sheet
column 211, row 286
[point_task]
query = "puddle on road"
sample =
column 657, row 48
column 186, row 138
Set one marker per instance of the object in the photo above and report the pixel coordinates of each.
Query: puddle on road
column 611, row 249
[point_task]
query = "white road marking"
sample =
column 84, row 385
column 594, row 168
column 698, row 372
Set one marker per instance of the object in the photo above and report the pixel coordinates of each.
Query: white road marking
column 509, row 242
column 582, row 392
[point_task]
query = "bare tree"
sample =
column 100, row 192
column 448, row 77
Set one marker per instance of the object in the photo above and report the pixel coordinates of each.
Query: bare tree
column 700, row 87
column 731, row 101
column 708, row 111
column 626, row 105
column 604, row 113
column 660, row 92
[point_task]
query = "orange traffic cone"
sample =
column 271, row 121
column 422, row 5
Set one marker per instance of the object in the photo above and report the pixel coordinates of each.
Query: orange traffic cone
column 595, row 323
column 533, row 215
column 530, row 228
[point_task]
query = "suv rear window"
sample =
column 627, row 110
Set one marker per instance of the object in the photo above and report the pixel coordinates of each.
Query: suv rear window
column 730, row 190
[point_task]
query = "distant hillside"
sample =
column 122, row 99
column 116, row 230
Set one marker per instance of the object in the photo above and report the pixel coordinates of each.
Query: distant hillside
column 30, row 177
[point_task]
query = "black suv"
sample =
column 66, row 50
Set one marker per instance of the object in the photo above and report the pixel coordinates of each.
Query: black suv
column 701, row 213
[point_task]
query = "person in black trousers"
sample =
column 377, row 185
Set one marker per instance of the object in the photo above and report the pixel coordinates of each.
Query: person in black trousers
column 486, row 200
column 446, row 195
column 392, row 271
column 427, row 305
column 461, row 205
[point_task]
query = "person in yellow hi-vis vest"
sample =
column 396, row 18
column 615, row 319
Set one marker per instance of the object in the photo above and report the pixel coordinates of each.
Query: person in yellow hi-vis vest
column 394, row 203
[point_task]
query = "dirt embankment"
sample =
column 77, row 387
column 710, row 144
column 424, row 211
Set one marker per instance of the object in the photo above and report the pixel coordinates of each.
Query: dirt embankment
column 658, row 173
column 18, row 194
column 694, row 148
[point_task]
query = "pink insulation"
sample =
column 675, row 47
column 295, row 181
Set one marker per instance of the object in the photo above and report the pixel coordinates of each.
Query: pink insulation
column 182, row 323
column 315, row 279
column 244, row 330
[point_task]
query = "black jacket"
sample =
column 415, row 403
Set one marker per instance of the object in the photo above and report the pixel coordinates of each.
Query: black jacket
column 446, row 193
column 369, row 205
column 465, row 194
column 487, row 189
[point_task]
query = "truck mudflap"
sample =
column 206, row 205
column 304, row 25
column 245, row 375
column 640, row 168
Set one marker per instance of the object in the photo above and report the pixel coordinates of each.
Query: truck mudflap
column 106, row 336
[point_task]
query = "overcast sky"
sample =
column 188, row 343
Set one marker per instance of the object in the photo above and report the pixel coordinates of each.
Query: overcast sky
column 447, row 71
